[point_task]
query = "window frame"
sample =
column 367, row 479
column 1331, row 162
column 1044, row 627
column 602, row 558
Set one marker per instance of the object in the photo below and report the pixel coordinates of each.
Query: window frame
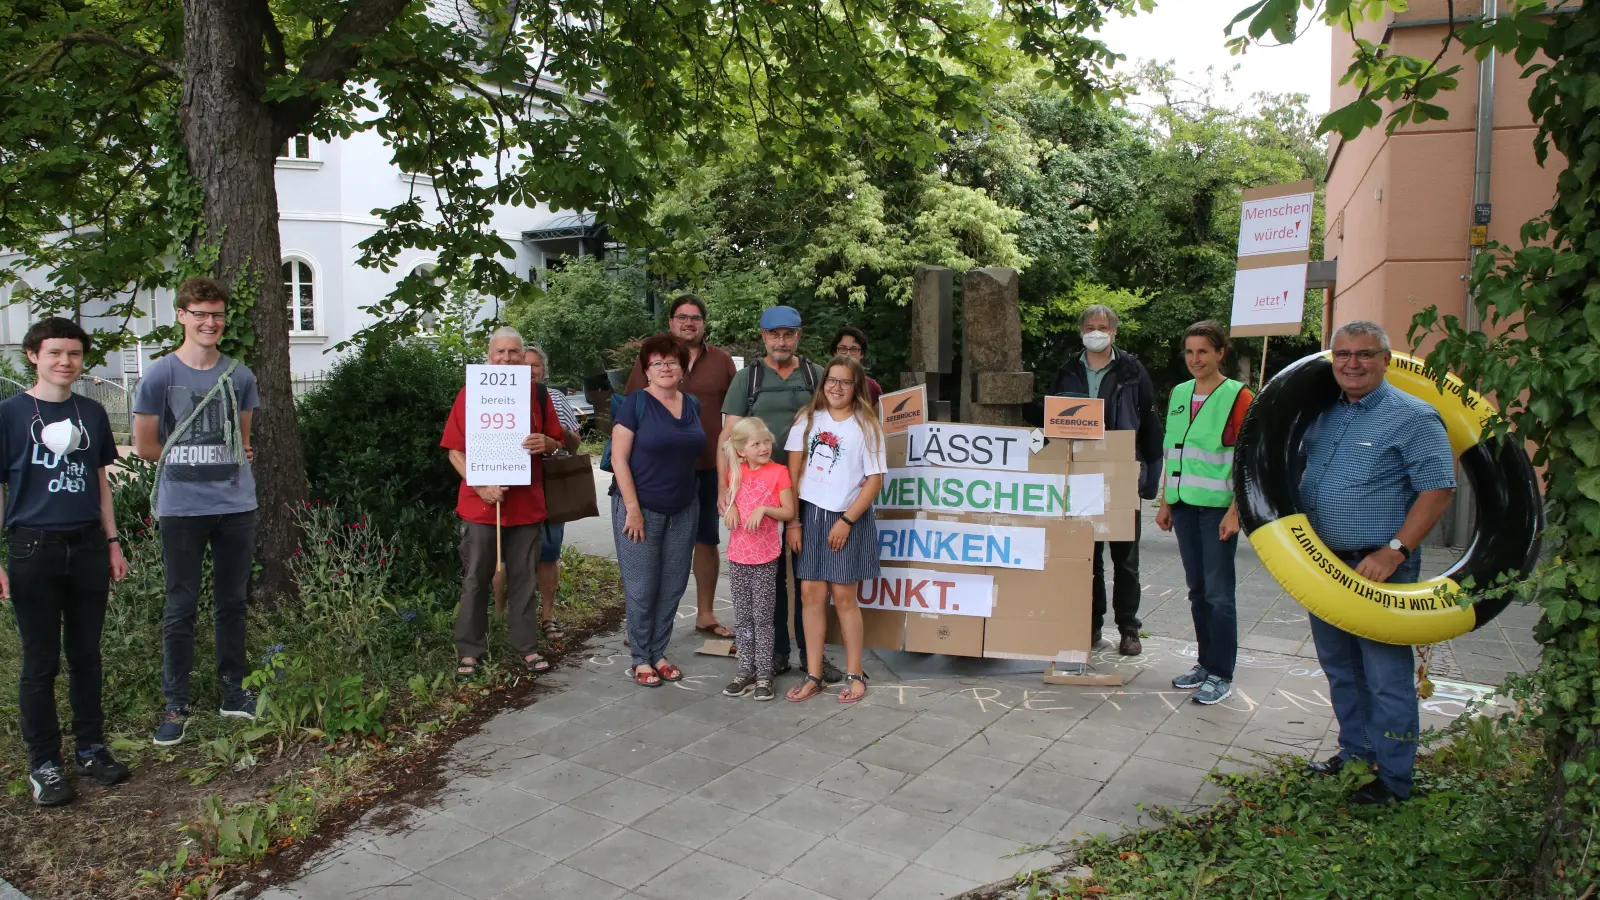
column 319, row 327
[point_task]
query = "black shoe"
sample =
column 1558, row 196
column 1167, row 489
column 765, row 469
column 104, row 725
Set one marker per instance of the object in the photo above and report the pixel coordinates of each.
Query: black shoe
column 780, row 665
column 49, row 788
column 1129, row 645
column 241, row 705
column 1095, row 640
column 763, row 690
column 1333, row 765
column 830, row 672
column 98, row 763
column 1374, row 793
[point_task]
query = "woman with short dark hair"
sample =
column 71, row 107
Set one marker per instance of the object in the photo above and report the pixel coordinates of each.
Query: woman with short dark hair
column 655, row 503
column 851, row 342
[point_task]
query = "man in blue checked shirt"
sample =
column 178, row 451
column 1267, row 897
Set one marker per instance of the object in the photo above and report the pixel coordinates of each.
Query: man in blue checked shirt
column 1379, row 473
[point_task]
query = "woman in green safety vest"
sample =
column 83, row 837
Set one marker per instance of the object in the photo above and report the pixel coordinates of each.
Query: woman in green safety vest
column 1203, row 420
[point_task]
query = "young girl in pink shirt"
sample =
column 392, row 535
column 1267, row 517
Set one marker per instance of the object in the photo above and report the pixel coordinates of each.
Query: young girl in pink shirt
column 763, row 496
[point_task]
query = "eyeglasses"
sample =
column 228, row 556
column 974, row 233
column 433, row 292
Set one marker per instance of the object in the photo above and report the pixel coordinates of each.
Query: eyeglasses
column 841, row 382
column 848, row 350
column 664, row 364
column 689, row 319
column 1365, row 356
column 218, row 317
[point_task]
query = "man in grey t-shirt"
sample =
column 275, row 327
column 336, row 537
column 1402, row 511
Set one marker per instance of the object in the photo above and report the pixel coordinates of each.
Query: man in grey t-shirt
column 192, row 415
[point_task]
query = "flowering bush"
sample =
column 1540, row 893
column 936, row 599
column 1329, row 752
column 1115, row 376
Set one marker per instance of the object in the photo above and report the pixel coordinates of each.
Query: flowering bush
column 343, row 568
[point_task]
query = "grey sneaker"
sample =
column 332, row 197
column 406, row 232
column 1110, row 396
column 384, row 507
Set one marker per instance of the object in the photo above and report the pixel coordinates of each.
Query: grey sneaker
column 1215, row 690
column 49, row 788
column 762, row 690
column 241, row 705
column 1191, row 679
column 740, row 686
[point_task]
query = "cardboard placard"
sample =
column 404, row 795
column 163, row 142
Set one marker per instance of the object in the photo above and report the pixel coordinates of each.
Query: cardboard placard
column 1087, row 494
column 499, row 417
column 950, row 444
column 1116, row 446
column 1269, row 301
column 1080, row 418
column 961, row 543
column 1121, row 481
column 899, row 589
column 973, row 490
column 1276, row 223
column 899, row 410
column 881, row 629
column 950, row 635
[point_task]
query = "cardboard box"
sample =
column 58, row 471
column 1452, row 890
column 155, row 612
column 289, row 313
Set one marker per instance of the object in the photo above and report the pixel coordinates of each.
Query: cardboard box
column 1115, row 525
column 1061, row 593
column 1053, row 458
column 883, row 630
column 1012, row 639
column 950, row 635
column 1121, row 481
column 1117, row 446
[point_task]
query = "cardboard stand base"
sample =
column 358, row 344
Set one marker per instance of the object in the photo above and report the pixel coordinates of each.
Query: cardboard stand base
column 1079, row 674
column 717, row 647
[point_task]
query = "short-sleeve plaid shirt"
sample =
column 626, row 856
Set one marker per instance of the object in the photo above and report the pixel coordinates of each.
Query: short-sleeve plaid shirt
column 1367, row 461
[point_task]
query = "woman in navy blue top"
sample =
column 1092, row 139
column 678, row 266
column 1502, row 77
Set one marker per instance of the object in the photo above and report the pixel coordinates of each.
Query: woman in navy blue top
column 654, row 443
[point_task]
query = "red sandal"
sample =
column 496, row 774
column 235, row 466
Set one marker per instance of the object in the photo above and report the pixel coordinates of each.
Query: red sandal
column 640, row 673
column 669, row 672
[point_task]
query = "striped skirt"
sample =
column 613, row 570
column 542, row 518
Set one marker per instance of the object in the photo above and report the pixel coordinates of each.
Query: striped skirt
column 857, row 561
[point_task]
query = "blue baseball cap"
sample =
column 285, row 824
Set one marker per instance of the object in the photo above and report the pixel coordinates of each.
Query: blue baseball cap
column 780, row 317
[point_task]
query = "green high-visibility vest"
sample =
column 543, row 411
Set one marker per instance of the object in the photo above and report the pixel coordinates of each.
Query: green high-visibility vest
column 1199, row 468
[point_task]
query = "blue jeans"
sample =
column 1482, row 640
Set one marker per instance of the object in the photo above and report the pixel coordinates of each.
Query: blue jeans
column 1208, row 569
column 1374, row 692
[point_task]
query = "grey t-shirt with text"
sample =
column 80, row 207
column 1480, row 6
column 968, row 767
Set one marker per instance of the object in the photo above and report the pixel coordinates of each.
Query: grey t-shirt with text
column 199, row 476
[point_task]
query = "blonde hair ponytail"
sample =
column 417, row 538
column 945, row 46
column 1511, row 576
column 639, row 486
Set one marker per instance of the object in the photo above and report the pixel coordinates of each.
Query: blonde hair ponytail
column 746, row 430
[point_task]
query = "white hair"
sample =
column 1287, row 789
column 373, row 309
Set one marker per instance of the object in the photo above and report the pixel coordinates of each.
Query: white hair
column 543, row 356
column 1362, row 327
column 505, row 331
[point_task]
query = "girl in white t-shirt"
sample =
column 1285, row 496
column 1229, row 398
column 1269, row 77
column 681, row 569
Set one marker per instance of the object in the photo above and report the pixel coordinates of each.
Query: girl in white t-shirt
column 836, row 458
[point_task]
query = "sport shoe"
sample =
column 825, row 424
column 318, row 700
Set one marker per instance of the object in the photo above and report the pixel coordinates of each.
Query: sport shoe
column 1191, row 679
column 241, row 705
column 739, row 686
column 49, row 788
column 98, row 763
column 830, row 672
column 172, row 728
column 1215, row 690
column 780, row 665
column 763, row 690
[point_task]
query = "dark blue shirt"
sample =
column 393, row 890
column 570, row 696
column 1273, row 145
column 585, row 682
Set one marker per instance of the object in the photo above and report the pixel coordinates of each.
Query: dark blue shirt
column 664, row 451
column 1367, row 461
column 43, row 490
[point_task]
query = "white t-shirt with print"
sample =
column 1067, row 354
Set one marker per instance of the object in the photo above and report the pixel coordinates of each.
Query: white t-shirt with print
column 838, row 459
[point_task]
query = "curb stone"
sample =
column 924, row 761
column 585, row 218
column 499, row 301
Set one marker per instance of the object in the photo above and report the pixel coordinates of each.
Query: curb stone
column 7, row 892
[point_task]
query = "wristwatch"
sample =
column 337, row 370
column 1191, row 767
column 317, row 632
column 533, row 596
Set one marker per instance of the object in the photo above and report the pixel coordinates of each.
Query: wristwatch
column 1395, row 545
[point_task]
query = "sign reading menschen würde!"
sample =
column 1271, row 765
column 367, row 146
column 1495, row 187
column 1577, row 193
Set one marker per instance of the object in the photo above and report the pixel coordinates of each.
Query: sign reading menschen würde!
column 972, row 490
column 960, row 543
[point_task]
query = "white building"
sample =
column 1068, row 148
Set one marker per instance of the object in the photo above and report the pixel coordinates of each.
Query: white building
column 326, row 194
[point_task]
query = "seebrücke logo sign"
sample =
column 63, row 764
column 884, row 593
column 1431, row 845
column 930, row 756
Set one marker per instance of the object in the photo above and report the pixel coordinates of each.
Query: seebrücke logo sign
column 903, row 409
column 1074, row 418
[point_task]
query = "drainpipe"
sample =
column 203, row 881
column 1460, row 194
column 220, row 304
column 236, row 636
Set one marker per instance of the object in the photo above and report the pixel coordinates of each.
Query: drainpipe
column 1483, row 155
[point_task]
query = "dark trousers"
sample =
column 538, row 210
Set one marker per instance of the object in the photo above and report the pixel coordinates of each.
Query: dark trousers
column 1208, row 569
column 519, row 550
column 1373, row 687
column 184, row 539
column 59, row 584
column 1125, row 587
column 780, row 612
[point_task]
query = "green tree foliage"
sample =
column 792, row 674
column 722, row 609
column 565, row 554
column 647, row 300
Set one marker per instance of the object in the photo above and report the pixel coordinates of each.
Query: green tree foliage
column 588, row 308
column 1537, row 355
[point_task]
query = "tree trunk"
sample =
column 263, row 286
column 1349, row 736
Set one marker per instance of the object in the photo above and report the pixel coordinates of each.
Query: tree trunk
column 228, row 134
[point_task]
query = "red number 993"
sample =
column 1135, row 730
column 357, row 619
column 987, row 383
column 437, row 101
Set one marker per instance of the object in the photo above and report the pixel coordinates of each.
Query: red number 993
column 497, row 421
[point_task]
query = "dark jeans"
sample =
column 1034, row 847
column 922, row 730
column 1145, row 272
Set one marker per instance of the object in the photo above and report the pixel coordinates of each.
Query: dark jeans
column 59, row 584
column 780, row 612
column 1125, row 587
column 184, row 539
column 1208, row 569
column 1373, row 687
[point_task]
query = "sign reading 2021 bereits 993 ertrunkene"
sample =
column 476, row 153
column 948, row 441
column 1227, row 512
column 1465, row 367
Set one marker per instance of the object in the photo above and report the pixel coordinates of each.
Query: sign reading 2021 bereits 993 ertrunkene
column 499, row 417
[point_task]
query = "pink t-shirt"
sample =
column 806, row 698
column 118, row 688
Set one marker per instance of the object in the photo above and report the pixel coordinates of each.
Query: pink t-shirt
column 760, row 487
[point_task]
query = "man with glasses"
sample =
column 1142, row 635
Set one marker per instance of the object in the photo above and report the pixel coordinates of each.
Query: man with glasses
column 775, row 387
column 1379, row 473
column 191, row 417
column 710, row 372
column 852, row 342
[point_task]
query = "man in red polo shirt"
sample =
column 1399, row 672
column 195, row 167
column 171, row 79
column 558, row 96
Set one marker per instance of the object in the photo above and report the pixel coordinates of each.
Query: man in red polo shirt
column 707, row 378
column 521, row 510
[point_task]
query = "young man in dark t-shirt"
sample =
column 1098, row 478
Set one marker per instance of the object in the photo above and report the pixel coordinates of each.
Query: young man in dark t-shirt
column 63, row 553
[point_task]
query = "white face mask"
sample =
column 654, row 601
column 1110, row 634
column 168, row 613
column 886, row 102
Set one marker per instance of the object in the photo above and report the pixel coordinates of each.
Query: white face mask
column 60, row 437
column 1096, row 341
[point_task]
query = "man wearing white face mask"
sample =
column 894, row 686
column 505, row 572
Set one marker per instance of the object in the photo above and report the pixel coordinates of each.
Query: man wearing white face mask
column 62, row 555
column 1118, row 378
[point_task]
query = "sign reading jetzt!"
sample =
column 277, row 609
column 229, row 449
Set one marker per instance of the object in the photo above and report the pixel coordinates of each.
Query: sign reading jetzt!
column 499, row 407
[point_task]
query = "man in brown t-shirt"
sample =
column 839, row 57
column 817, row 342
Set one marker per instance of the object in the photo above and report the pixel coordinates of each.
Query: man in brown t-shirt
column 707, row 377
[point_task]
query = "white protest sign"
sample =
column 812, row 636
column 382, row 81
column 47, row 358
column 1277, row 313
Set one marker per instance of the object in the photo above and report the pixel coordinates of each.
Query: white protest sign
column 966, row 490
column 960, row 543
column 927, row 591
column 967, row 446
column 1275, row 225
column 499, row 417
column 1270, row 296
column 1088, row 495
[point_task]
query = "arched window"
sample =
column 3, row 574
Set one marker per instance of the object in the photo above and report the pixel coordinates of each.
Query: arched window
column 429, row 323
column 299, row 284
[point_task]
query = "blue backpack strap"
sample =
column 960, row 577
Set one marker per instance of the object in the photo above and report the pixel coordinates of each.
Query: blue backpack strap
column 616, row 406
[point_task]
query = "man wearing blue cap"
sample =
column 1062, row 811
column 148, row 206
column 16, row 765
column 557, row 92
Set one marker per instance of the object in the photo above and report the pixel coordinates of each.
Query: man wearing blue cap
column 775, row 388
